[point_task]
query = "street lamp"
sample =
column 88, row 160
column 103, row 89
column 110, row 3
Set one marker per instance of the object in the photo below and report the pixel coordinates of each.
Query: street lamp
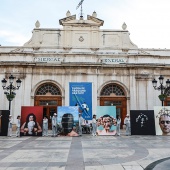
column 11, row 94
column 162, row 88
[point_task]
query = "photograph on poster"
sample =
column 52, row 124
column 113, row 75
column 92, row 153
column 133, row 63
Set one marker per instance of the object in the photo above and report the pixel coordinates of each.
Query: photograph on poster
column 81, row 95
column 68, row 120
column 142, row 122
column 162, row 120
column 4, row 120
column 106, row 120
column 31, row 120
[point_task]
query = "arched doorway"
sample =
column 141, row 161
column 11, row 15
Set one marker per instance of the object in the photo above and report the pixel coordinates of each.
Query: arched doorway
column 48, row 95
column 114, row 95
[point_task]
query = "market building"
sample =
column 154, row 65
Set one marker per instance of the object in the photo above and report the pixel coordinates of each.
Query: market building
column 121, row 73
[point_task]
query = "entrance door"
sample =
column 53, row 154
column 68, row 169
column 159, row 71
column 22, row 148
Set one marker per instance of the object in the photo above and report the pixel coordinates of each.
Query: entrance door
column 50, row 104
column 119, row 102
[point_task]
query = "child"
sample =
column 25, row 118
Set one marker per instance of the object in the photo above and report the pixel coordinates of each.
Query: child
column 45, row 126
column 18, row 126
column 10, row 126
column 94, row 127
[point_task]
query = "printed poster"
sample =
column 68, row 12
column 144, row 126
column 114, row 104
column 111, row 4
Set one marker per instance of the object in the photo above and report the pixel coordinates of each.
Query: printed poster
column 81, row 96
column 142, row 122
column 31, row 120
column 162, row 120
column 106, row 120
column 68, row 120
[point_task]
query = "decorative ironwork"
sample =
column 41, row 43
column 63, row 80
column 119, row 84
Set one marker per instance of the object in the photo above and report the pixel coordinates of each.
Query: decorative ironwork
column 10, row 90
column 163, row 88
column 48, row 88
column 112, row 88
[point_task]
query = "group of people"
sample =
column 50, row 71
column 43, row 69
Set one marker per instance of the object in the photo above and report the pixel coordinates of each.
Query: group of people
column 102, row 125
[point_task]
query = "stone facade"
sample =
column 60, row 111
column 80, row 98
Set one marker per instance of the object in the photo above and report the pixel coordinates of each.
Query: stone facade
column 82, row 52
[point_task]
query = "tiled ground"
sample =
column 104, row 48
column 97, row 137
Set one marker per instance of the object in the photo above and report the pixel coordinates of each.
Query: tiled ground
column 84, row 153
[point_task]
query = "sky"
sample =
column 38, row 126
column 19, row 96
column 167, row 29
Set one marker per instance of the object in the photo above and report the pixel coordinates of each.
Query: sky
column 148, row 21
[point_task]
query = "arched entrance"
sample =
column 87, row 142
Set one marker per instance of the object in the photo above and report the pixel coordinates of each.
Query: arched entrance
column 114, row 95
column 48, row 95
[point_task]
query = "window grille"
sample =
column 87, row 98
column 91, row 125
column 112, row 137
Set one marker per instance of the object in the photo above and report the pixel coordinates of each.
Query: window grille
column 112, row 88
column 48, row 88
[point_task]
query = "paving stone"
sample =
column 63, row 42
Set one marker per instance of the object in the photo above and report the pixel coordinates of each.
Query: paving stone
column 84, row 153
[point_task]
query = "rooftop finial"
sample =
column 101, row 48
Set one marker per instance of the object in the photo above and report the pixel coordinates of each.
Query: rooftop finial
column 94, row 14
column 124, row 26
column 37, row 24
column 68, row 14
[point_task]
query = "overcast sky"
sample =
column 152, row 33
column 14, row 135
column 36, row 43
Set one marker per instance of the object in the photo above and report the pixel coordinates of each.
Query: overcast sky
column 148, row 21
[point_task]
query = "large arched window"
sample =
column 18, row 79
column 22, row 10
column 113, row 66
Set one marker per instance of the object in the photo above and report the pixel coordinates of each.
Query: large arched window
column 112, row 89
column 48, row 89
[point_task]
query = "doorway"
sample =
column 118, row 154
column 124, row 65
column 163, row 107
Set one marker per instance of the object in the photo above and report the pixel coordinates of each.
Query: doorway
column 114, row 95
column 50, row 104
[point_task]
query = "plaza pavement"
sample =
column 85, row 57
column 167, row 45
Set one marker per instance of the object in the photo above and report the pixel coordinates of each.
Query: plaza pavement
column 85, row 153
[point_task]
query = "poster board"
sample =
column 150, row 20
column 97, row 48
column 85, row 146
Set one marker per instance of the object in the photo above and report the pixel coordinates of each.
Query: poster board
column 142, row 122
column 81, row 95
column 31, row 120
column 106, row 120
column 162, row 120
column 4, row 119
column 68, row 120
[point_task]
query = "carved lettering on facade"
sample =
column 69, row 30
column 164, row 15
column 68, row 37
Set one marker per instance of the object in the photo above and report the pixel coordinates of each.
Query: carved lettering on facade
column 48, row 59
column 114, row 60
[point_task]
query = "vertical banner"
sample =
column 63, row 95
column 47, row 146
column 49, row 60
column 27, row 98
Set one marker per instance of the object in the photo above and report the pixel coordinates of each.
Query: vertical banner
column 31, row 120
column 142, row 122
column 162, row 120
column 68, row 120
column 4, row 119
column 106, row 120
column 81, row 95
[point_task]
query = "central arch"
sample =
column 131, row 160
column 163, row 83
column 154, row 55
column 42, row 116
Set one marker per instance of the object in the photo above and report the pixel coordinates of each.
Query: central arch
column 49, row 96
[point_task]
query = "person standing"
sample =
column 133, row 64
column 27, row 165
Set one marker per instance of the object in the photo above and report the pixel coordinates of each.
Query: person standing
column 118, row 125
column 54, row 125
column 81, row 120
column 94, row 126
column 10, row 126
column 18, row 126
column 127, row 123
column 45, row 126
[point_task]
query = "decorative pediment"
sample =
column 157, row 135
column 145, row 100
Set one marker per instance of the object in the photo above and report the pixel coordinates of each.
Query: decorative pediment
column 67, row 19
column 91, row 21
column 96, row 20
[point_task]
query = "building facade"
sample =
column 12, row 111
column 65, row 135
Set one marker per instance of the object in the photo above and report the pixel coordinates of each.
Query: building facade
column 121, row 73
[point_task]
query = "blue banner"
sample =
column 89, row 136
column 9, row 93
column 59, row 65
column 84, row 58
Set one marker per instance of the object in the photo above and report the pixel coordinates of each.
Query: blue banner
column 81, row 95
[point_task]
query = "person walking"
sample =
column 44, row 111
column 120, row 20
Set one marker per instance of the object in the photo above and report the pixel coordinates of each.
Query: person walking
column 94, row 126
column 54, row 125
column 10, row 126
column 18, row 126
column 127, row 123
column 81, row 120
column 45, row 126
column 118, row 125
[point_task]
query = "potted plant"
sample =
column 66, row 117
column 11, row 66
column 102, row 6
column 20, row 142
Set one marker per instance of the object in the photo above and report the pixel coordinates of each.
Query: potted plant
column 162, row 97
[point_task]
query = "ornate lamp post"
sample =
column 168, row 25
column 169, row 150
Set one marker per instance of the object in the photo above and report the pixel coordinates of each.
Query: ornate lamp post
column 10, row 94
column 162, row 88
